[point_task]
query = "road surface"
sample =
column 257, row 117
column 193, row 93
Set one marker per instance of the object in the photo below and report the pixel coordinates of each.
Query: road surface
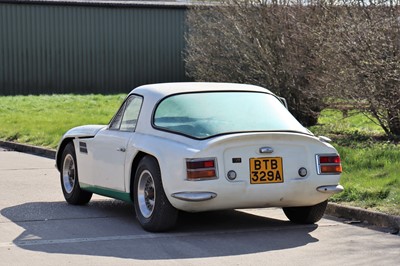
column 37, row 227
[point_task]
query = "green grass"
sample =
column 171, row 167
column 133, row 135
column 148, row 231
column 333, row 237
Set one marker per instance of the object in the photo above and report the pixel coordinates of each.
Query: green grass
column 42, row 120
column 371, row 177
column 371, row 164
column 354, row 124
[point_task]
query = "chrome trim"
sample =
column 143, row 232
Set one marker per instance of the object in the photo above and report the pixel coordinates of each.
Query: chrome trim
column 266, row 150
column 194, row 196
column 330, row 189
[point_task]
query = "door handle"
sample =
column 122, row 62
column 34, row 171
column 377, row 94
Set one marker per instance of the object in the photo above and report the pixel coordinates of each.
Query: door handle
column 121, row 149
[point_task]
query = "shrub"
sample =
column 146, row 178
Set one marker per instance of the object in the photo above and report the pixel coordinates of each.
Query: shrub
column 268, row 44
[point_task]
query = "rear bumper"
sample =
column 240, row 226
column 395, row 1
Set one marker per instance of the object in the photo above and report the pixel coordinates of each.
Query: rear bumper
column 204, row 196
column 194, row 196
column 330, row 189
column 241, row 195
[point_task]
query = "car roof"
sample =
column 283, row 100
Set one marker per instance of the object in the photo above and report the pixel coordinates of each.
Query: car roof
column 161, row 90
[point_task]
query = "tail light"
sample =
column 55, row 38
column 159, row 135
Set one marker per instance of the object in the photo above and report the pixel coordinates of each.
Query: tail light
column 328, row 164
column 201, row 169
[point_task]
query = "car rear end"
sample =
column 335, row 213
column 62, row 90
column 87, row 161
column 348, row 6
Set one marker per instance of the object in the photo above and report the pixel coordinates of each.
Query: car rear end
column 259, row 170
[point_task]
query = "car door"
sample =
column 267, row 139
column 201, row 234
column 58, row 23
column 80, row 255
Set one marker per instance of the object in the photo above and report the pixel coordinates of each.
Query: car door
column 109, row 147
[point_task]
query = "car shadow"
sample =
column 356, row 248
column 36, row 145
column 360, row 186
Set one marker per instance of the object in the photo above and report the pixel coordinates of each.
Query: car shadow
column 109, row 228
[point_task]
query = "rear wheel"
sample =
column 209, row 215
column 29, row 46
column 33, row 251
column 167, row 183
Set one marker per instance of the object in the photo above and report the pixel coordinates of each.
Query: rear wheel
column 306, row 215
column 73, row 193
column 153, row 209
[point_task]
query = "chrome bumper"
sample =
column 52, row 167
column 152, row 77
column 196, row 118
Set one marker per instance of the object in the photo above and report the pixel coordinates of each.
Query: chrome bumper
column 194, row 196
column 330, row 189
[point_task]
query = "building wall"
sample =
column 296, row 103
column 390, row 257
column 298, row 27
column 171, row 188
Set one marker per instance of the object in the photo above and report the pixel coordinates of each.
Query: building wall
column 51, row 48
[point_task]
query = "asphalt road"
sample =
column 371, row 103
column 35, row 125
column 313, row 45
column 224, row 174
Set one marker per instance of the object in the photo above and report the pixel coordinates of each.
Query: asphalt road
column 37, row 227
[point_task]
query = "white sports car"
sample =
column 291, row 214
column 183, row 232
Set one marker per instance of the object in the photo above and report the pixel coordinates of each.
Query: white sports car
column 198, row 147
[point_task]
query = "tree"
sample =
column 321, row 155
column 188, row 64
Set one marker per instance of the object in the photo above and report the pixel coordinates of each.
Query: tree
column 262, row 43
column 305, row 51
column 365, row 47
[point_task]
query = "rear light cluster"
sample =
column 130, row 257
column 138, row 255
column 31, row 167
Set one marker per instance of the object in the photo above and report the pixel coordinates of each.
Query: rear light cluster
column 201, row 169
column 328, row 164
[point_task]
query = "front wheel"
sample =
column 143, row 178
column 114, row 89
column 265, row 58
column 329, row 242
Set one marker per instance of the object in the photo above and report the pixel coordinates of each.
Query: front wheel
column 153, row 209
column 73, row 193
column 306, row 215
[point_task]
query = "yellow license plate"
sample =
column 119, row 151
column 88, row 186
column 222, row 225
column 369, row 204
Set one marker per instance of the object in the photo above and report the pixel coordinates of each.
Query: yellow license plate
column 266, row 170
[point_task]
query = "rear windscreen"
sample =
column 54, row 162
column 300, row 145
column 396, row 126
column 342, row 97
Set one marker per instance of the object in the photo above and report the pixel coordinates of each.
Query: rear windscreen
column 206, row 114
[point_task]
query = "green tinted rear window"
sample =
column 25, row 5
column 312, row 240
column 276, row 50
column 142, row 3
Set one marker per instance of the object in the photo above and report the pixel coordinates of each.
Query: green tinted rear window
column 206, row 114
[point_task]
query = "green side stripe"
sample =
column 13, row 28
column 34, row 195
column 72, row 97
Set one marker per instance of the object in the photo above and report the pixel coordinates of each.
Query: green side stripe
column 116, row 194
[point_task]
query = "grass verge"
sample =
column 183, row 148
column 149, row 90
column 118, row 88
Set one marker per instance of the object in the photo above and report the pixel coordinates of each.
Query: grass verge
column 371, row 164
column 42, row 120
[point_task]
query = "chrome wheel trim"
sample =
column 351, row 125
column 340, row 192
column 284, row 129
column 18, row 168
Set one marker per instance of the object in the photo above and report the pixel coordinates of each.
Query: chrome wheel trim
column 146, row 193
column 69, row 173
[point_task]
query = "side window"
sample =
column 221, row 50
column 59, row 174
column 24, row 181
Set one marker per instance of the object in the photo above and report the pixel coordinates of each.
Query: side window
column 116, row 122
column 131, row 113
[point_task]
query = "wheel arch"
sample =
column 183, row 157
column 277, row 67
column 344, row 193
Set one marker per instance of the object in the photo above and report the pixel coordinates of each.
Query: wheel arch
column 135, row 163
column 60, row 150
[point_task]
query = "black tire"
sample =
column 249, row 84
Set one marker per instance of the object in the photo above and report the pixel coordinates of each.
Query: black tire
column 73, row 193
column 306, row 215
column 153, row 209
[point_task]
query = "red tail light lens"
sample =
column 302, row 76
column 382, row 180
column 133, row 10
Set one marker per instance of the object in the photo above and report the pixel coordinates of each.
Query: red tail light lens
column 329, row 159
column 329, row 164
column 201, row 169
column 200, row 164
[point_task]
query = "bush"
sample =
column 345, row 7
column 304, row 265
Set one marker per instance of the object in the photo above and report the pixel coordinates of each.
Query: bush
column 266, row 44
column 347, row 49
column 365, row 45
